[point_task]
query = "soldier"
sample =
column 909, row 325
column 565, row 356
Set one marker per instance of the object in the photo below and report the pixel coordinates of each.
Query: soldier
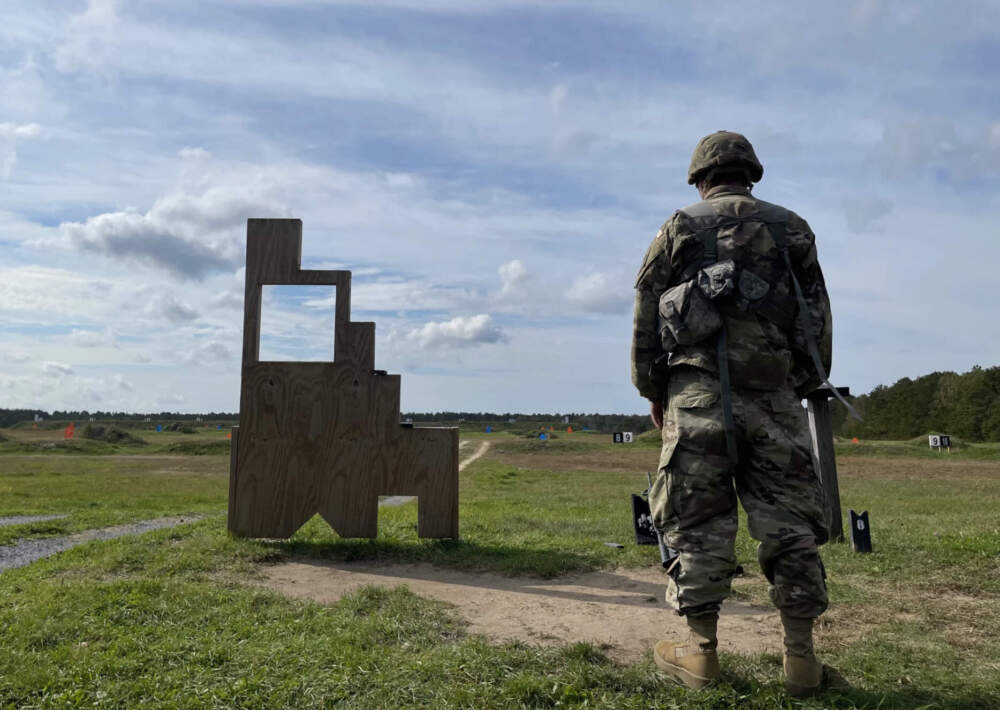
column 732, row 329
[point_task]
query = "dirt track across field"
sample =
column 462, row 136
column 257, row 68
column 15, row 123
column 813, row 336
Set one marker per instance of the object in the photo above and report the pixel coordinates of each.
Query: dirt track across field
column 621, row 610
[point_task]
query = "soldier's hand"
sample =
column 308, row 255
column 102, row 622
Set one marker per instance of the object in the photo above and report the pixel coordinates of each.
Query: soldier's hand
column 656, row 413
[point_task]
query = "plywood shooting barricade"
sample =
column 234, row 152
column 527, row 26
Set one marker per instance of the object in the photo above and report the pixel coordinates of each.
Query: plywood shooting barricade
column 325, row 437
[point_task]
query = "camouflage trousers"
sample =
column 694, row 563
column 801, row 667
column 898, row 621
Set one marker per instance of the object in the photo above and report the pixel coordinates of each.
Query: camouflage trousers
column 693, row 499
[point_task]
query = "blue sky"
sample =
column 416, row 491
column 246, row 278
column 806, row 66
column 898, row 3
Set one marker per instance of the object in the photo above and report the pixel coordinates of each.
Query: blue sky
column 492, row 173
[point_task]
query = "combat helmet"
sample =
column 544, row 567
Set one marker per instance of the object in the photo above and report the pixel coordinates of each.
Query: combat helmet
column 724, row 148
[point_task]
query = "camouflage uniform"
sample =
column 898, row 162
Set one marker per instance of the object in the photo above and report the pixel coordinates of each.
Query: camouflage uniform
column 693, row 498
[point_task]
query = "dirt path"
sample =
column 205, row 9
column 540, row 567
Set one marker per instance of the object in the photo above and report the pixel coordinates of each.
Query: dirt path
column 483, row 448
column 623, row 610
column 23, row 519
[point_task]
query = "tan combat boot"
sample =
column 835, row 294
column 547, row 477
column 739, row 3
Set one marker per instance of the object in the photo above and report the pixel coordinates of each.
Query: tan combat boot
column 694, row 661
column 803, row 671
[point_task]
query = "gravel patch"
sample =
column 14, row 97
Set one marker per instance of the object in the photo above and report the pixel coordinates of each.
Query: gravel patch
column 22, row 519
column 24, row 552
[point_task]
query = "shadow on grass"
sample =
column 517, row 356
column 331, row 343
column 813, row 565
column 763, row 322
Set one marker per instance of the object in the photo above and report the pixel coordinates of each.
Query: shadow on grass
column 459, row 554
column 498, row 568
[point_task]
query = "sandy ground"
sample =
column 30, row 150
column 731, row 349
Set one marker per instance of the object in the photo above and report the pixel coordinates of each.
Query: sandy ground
column 622, row 610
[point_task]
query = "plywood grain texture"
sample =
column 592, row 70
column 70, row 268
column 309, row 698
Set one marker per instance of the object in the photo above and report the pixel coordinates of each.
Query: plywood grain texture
column 325, row 437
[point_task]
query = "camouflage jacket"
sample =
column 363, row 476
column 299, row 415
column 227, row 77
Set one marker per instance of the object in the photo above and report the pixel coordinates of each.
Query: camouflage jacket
column 764, row 353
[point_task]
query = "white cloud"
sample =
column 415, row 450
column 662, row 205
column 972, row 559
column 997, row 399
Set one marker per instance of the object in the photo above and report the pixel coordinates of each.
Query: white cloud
column 130, row 235
column 461, row 331
column 56, row 369
column 14, row 356
column 93, row 338
column 512, row 275
column 228, row 300
column 400, row 295
column 171, row 400
column 211, row 353
column 193, row 230
column 911, row 147
column 89, row 41
column 189, row 153
column 8, row 163
column 601, row 293
column 189, row 235
column 122, row 383
column 15, row 130
column 172, row 309
column 10, row 133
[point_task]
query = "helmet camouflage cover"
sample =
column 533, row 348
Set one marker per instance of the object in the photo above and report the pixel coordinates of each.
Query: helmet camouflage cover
column 724, row 148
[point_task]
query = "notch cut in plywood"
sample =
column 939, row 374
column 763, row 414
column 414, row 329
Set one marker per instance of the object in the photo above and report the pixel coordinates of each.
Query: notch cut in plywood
column 325, row 436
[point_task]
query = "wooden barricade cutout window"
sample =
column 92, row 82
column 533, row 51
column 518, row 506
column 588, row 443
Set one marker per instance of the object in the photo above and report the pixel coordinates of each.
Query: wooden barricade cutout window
column 297, row 323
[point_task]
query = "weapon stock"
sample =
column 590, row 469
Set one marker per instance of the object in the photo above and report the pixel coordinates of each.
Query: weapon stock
column 645, row 531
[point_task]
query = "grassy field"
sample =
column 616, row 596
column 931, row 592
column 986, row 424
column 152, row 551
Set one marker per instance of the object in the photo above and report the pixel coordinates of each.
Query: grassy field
column 170, row 619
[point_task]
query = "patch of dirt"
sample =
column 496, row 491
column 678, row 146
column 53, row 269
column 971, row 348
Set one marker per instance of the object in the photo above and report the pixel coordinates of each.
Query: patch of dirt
column 622, row 610
column 482, row 449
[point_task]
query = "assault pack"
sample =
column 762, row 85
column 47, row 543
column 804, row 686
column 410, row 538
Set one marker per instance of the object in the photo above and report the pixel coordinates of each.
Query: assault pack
column 691, row 312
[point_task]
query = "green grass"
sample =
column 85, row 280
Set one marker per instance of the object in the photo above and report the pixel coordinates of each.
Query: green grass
column 176, row 443
column 513, row 521
column 111, row 434
column 918, row 448
column 161, row 619
column 171, row 618
column 98, row 491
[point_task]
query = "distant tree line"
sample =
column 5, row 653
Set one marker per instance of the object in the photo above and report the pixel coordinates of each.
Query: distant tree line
column 605, row 423
column 599, row 422
column 10, row 417
column 963, row 405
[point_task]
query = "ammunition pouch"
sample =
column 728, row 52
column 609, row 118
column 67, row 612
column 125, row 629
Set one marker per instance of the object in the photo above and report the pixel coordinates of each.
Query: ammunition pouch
column 755, row 295
column 688, row 313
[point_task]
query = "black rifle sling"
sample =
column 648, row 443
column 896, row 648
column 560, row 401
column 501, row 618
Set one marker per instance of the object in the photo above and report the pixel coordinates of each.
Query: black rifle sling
column 710, row 254
column 777, row 230
column 725, row 389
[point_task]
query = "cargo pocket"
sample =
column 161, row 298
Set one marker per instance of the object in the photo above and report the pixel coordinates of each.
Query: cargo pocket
column 692, row 412
column 698, row 418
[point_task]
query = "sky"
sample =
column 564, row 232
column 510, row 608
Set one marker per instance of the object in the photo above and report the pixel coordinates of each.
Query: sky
column 491, row 171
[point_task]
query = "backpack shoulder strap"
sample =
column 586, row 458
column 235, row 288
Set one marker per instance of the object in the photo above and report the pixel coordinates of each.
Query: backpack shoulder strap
column 777, row 230
column 704, row 221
